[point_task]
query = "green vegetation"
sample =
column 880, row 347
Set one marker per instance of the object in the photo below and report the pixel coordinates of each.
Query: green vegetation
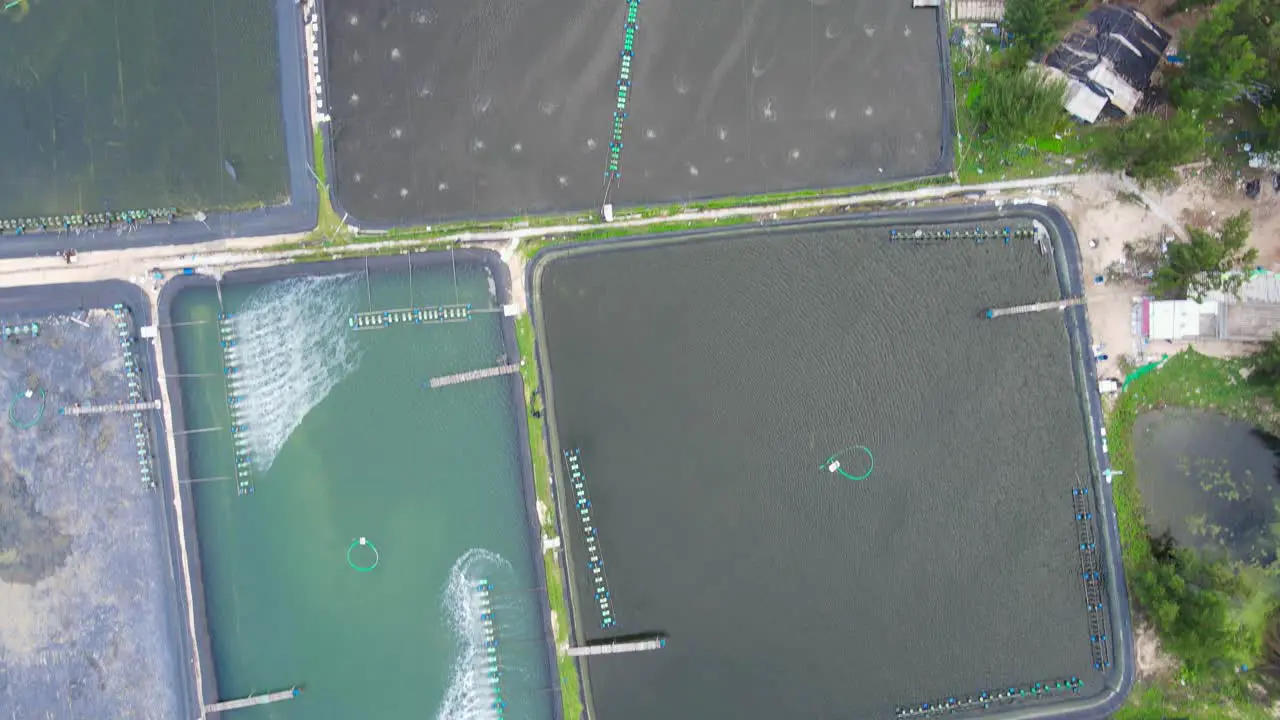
column 1213, row 616
column 1231, row 73
column 570, row 683
column 329, row 227
column 1011, row 101
column 1010, row 120
column 1233, row 68
column 1208, row 261
column 1037, row 24
column 1148, row 147
column 1265, row 364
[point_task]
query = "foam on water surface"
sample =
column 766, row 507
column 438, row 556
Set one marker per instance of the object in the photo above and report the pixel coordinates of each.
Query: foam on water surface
column 470, row 695
column 293, row 349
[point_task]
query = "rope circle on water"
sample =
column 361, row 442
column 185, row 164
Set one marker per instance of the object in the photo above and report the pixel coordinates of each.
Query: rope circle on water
column 357, row 543
column 13, row 406
column 833, row 466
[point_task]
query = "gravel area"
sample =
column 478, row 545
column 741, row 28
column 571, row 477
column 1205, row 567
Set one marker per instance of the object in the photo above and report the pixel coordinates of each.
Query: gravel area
column 86, row 613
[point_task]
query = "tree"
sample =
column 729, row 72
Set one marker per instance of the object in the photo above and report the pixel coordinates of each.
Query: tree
column 1148, row 148
column 1208, row 261
column 1188, row 600
column 1234, row 51
column 1033, row 23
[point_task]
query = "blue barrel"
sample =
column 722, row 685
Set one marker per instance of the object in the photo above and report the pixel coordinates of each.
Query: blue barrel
column 188, row 271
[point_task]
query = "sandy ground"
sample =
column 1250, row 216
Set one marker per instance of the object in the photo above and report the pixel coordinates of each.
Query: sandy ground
column 1111, row 211
column 1150, row 660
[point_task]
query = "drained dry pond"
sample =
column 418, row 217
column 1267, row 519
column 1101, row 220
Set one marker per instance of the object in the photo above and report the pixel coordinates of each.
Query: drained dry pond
column 809, row 459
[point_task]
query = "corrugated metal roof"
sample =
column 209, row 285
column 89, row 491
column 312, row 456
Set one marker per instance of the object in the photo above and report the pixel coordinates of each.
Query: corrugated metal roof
column 1116, row 58
column 977, row 10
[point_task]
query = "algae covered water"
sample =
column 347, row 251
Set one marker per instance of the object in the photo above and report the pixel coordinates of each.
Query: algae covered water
column 347, row 443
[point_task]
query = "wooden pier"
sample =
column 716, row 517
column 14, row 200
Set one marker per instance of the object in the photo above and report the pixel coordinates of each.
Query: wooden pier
column 253, row 701
column 657, row 642
column 76, row 410
column 447, row 380
column 1034, row 307
column 429, row 315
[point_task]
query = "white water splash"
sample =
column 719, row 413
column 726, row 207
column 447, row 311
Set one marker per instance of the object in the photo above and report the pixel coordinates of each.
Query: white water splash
column 469, row 696
column 293, row 347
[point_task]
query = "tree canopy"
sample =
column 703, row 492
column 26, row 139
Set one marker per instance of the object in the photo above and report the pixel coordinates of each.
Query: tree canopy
column 1033, row 23
column 1231, row 54
column 1208, row 261
column 1148, row 147
column 1189, row 602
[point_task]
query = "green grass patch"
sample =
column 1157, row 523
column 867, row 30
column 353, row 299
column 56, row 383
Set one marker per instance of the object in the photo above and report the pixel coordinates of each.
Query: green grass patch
column 1151, row 701
column 570, row 682
column 329, row 227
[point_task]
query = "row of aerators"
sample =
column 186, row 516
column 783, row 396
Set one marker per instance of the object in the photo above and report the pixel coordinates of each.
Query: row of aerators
column 978, row 234
column 985, row 699
column 595, row 565
column 492, row 668
column 231, row 375
column 19, row 226
column 133, row 372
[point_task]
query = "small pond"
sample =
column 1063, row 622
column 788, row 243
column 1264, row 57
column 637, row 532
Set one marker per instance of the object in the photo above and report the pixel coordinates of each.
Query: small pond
column 1211, row 482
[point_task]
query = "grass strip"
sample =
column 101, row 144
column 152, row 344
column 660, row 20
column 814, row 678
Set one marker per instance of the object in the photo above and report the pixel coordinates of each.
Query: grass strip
column 567, row 668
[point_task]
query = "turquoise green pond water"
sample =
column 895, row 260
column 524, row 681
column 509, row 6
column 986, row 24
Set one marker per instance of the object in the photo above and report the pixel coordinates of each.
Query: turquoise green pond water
column 347, row 443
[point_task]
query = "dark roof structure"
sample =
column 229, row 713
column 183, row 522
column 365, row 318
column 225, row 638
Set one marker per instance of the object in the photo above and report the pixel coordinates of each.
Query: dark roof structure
column 1114, row 58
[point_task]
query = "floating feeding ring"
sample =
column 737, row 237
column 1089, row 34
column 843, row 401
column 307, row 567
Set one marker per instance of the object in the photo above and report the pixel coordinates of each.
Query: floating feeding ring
column 833, row 465
column 357, row 543
column 13, row 407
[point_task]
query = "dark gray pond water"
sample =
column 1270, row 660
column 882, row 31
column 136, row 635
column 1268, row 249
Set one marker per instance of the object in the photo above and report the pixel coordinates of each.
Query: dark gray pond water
column 708, row 382
column 1211, row 482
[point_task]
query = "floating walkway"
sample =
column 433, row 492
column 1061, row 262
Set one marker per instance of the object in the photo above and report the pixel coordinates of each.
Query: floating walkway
column 1091, row 575
column 456, row 379
column 573, row 461
column 404, row 316
column 253, row 701
column 984, row 699
column 77, row 410
column 231, row 380
column 133, row 373
column 657, row 642
column 612, row 172
column 1034, row 307
column 491, row 671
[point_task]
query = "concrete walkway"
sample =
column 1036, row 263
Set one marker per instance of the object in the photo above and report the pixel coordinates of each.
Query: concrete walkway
column 134, row 264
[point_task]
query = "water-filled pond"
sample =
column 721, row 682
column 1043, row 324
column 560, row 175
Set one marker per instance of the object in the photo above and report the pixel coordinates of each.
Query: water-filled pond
column 346, row 441
column 1210, row 482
